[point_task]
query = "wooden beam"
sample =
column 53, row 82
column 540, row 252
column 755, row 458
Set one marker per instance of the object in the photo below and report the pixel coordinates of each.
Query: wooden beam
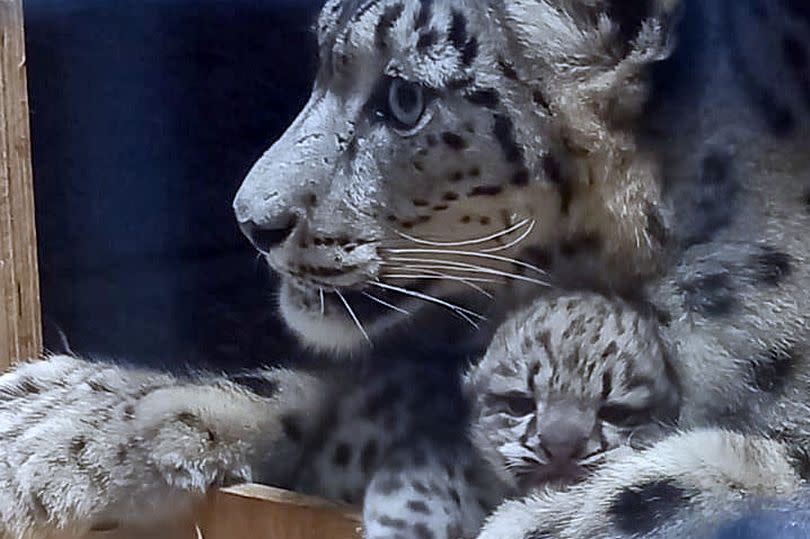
column 261, row 512
column 249, row 511
column 20, row 326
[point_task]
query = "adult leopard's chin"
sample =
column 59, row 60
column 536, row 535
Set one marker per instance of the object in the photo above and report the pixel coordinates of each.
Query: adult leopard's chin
column 338, row 322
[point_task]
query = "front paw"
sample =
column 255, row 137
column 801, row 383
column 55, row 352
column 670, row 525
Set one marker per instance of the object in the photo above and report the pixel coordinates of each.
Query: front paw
column 684, row 486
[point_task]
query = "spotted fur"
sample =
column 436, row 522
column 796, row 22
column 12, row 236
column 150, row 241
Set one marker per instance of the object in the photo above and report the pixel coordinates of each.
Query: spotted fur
column 650, row 151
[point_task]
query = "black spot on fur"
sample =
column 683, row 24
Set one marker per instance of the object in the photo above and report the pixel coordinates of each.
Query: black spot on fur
column 388, row 19
column 539, row 534
column 454, row 141
column 389, row 485
column 521, row 177
column 422, row 531
column 584, row 244
column 99, row 386
column 291, row 429
column 342, row 455
column 640, row 509
column 454, row 495
column 419, row 487
column 539, row 256
column 800, row 459
column 507, row 69
column 505, row 135
column 368, row 456
column 459, row 84
column 77, row 446
column 457, row 33
column 129, row 412
column 455, row 531
column 487, row 97
column 122, row 454
column 25, row 386
column 710, row 295
column 427, row 40
column 470, row 52
column 388, row 522
column 772, row 266
column 539, row 98
column 418, row 506
column 486, row 190
column 772, row 372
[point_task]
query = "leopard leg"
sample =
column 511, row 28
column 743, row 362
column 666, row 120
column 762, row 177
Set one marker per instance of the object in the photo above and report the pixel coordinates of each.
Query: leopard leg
column 686, row 485
column 89, row 445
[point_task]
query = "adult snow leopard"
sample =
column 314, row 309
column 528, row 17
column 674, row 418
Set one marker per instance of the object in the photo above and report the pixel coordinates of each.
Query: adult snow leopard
column 453, row 143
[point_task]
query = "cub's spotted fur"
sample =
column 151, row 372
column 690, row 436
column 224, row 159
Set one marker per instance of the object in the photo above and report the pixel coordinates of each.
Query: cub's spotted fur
column 649, row 151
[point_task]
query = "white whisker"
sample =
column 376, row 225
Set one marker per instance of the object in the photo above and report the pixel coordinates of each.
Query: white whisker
column 461, row 311
column 512, row 243
column 468, row 281
column 463, row 243
column 464, row 267
column 352, row 315
column 386, row 304
column 488, row 256
column 323, row 307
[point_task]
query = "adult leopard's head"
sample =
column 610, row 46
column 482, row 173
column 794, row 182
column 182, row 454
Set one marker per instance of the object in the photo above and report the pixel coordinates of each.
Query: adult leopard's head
column 443, row 138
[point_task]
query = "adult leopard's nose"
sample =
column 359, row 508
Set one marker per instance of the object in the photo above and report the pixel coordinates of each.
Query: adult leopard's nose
column 269, row 233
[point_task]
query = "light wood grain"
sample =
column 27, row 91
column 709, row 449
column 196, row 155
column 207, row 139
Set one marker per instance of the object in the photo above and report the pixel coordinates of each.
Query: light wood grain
column 20, row 329
column 259, row 512
column 251, row 512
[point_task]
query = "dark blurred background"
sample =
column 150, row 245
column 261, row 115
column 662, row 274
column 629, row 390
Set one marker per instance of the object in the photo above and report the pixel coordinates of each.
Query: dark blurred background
column 145, row 117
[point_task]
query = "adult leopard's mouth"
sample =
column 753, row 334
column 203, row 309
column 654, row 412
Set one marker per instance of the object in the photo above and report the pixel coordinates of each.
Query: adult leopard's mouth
column 342, row 319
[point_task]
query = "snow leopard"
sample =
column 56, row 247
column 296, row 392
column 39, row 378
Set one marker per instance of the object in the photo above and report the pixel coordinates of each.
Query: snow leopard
column 143, row 442
column 474, row 155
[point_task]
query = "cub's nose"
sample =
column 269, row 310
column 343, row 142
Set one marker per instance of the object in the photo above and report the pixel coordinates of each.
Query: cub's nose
column 269, row 235
column 565, row 432
column 563, row 443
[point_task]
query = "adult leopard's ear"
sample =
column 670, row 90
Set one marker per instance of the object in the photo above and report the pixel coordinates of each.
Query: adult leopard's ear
column 596, row 50
column 591, row 59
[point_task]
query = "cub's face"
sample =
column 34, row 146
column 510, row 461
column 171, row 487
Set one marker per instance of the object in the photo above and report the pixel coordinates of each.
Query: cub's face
column 549, row 408
column 423, row 161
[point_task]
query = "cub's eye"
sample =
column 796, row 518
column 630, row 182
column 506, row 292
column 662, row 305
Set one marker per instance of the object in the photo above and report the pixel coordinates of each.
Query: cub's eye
column 624, row 416
column 518, row 405
column 406, row 102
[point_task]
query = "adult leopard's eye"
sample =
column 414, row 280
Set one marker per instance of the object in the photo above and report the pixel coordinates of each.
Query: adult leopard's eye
column 406, row 102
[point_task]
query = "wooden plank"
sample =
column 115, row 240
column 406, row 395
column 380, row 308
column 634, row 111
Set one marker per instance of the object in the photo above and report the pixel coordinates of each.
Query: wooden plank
column 20, row 326
column 261, row 512
column 250, row 511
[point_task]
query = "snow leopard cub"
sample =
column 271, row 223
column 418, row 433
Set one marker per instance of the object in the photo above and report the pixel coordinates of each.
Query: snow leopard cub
column 566, row 383
column 124, row 444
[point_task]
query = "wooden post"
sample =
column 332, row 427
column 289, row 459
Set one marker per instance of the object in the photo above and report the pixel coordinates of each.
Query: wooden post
column 20, row 326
